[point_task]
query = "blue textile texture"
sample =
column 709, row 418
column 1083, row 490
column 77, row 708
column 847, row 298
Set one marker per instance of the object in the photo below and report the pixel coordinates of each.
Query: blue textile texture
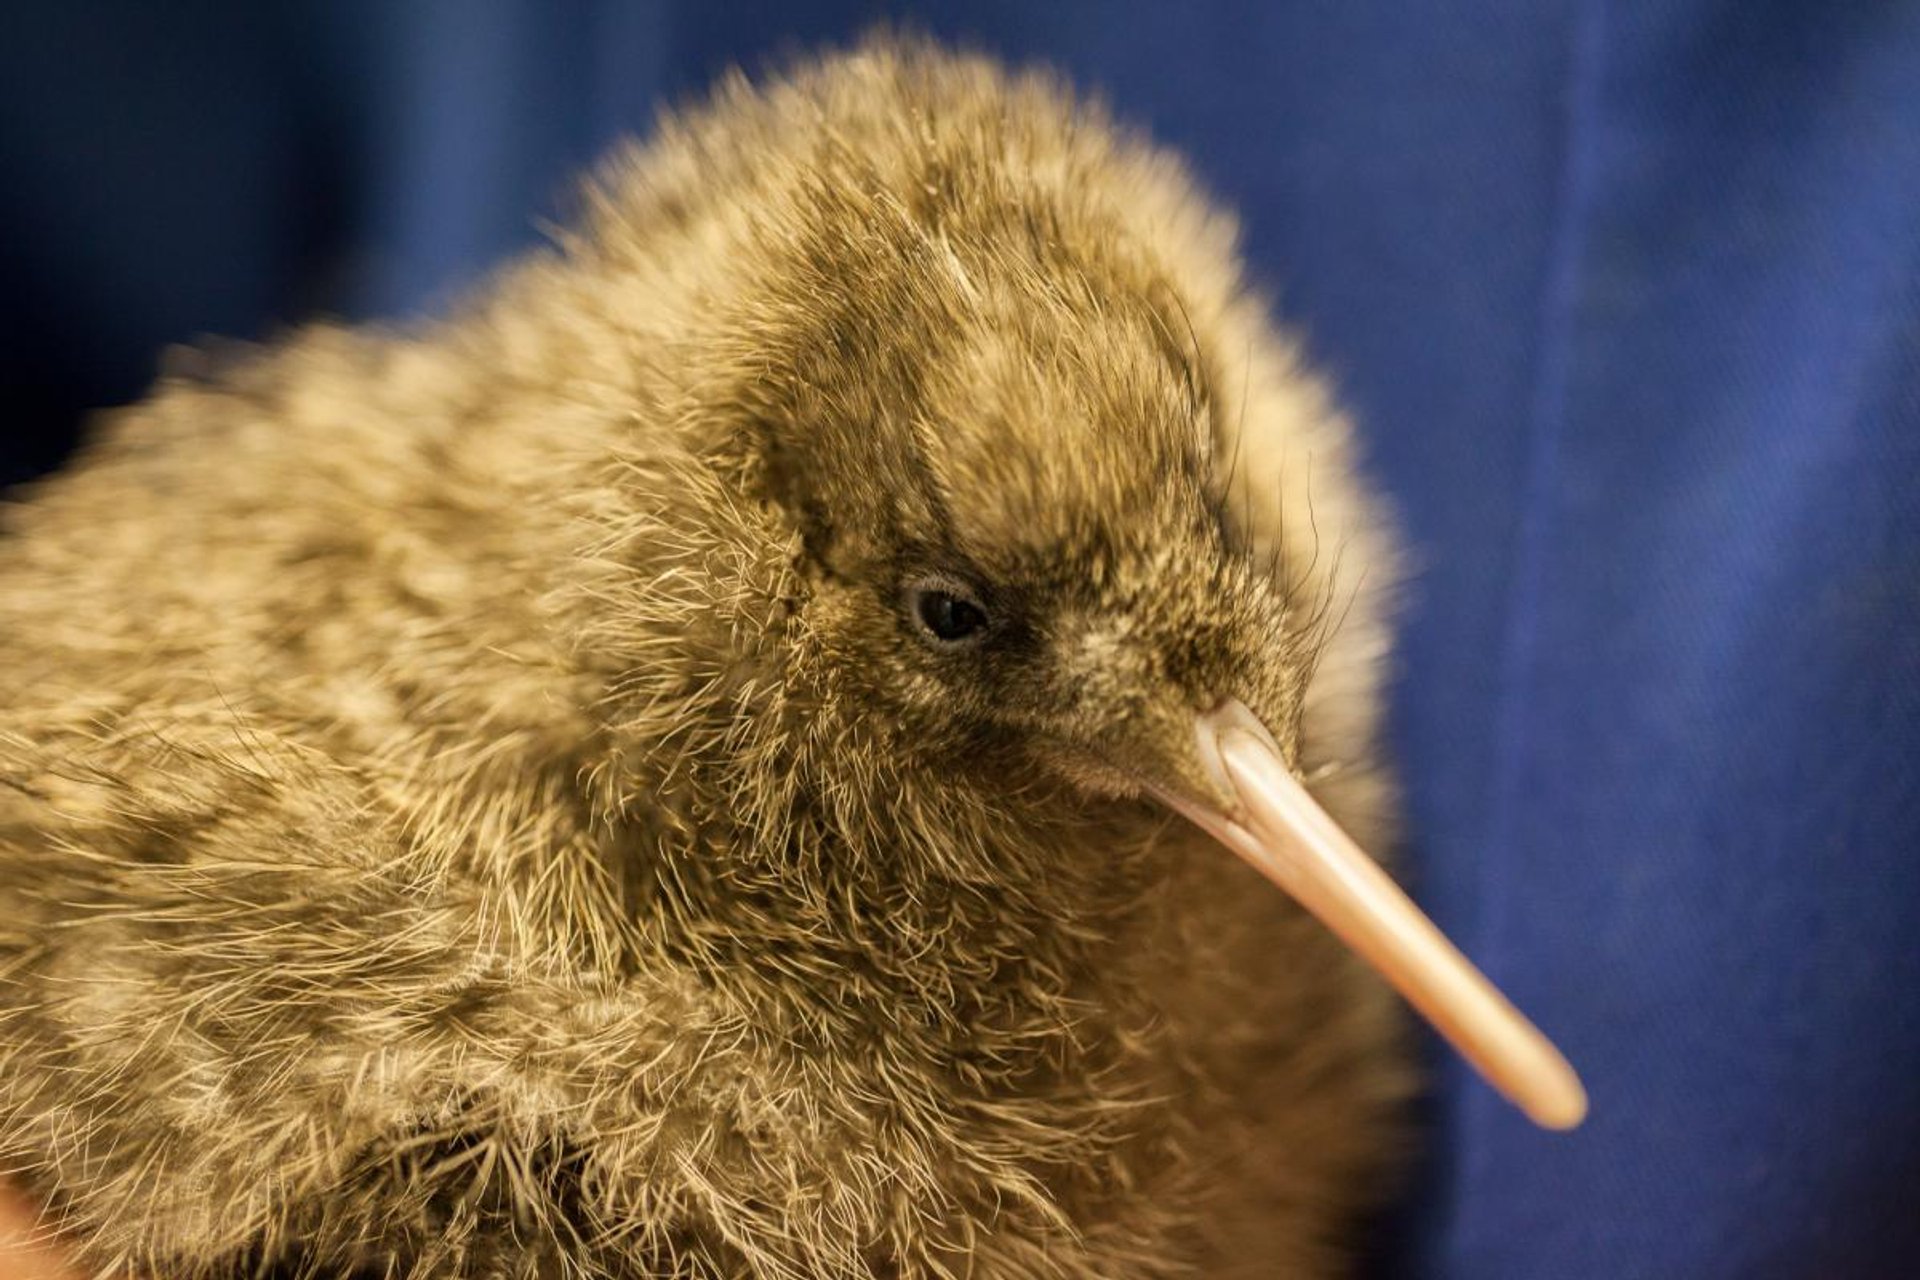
column 1626, row 298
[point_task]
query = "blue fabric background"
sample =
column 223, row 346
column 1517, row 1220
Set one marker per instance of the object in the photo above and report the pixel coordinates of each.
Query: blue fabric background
column 1627, row 298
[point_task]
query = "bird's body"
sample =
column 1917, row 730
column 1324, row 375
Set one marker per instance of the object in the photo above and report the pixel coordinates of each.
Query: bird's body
column 470, row 805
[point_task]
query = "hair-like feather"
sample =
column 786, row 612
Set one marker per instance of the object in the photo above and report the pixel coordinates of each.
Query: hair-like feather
column 469, row 805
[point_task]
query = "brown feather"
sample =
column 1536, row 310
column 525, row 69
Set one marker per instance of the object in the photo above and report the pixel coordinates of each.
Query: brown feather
column 470, row 804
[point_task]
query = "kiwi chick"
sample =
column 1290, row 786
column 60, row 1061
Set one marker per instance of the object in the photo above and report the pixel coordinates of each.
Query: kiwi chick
column 641, row 777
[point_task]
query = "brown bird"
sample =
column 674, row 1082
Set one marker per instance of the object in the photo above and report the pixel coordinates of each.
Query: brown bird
column 674, row 769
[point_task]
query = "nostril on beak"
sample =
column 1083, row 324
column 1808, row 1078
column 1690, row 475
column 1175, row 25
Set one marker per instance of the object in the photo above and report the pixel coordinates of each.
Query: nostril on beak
column 1227, row 714
column 1207, row 749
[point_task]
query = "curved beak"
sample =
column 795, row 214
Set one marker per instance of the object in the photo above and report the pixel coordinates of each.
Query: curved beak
column 1271, row 821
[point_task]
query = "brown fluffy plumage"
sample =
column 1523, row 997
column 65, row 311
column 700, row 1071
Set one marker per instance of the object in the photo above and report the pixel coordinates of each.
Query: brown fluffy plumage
column 474, row 802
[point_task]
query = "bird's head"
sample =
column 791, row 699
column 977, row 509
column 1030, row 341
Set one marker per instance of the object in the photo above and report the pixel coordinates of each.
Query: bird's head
column 992, row 432
column 1020, row 552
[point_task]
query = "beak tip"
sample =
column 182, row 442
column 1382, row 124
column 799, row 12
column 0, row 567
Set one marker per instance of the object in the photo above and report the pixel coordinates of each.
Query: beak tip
column 1560, row 1114
column 1539, row 1081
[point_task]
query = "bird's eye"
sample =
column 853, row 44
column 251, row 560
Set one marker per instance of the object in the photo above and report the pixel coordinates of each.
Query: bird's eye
column 946, row 614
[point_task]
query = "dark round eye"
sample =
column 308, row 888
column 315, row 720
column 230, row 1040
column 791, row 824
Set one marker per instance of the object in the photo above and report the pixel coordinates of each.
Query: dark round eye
column 946, row 614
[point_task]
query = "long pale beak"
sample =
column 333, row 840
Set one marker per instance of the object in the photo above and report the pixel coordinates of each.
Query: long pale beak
column 1274, row 824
